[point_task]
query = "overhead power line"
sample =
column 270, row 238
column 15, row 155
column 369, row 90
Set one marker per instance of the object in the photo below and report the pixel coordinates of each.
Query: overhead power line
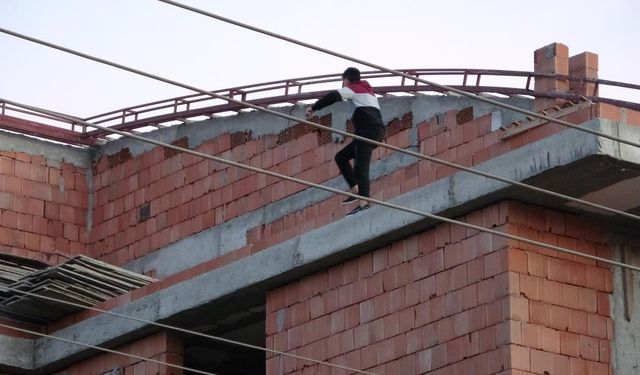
column 106, row 350
column 289, row 117
column 396, row 72
column 292, row 179
column 345, row 193
column 188, row 331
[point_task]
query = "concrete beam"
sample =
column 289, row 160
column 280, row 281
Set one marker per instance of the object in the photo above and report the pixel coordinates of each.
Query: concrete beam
column 17, row 353
column 77, row 156
column 261, row 124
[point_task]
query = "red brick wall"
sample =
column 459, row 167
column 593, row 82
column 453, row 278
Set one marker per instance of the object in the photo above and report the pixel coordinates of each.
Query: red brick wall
column 43, row 207
column 210, row 194
column 451, row 300
column 163, row 347
column 187, row 194
column 39, row 214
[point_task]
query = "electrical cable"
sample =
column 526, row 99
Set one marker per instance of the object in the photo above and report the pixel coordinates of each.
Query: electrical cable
column 75, row 342
column 345, row 193
column 188, row 331
column 395, row 72
column 346, row 134
column 257, row 170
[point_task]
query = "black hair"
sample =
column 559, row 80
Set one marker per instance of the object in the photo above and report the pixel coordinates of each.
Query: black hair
column 351, row 74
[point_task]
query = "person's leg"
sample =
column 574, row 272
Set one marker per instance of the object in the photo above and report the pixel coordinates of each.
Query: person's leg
column 362, row 161
column 342, row 159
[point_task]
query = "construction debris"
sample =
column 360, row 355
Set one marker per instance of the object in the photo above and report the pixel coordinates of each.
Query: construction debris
column 81, row 280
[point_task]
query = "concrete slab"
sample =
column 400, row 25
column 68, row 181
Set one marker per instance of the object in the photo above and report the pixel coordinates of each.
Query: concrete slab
column 17, row 353
column 53, row 152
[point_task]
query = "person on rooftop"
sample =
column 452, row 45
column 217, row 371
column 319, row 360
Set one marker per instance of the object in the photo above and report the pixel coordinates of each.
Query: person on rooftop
column 367, row 120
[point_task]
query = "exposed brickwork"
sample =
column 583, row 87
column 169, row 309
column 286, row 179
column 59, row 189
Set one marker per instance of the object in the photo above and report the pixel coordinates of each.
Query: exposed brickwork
column 182, row 142
column 161, row 347
column 43, row 207
column 584, row 65
column 294, row 132
column 451, row 299
column 448, row 300
column 464, row 115
column 187, row 195
column 226, row 195
column 324, row 136
column 240, row 138
column 554, row 60
column 300, row 129
column 119, row 157
column 397, row 125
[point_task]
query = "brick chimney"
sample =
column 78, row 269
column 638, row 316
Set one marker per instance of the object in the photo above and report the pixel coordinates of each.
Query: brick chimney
column 551, row 59
column 584, row 65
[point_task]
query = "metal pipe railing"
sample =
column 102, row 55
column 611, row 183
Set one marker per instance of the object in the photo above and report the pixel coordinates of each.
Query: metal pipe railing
column 280, row 92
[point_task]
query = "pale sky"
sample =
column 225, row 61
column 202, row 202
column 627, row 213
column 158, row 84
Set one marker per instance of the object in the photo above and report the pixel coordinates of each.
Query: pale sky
column 205, row 53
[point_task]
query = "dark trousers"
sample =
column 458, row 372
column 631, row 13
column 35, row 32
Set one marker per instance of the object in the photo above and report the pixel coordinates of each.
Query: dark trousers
column 360, row 152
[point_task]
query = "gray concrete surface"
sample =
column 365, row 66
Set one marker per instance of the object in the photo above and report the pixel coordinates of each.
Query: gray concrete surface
column 309, row 252
column 625, row 350
column 17, row 353
column 54, row 153
column 423, row 107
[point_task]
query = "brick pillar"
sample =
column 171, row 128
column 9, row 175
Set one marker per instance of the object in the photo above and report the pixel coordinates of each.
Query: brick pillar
column 551, row 59
column 584, row 65
column 171, row 351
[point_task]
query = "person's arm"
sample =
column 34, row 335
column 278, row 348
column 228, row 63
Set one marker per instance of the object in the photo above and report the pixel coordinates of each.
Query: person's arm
column 332, row 97
column 327, row 100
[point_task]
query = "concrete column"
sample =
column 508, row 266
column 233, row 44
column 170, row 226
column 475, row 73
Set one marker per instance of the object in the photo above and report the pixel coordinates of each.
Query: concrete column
column 584, row 65
column 551, row 59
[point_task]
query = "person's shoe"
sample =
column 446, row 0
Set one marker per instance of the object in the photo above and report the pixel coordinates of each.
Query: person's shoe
column 357, row 209
column 349, row 200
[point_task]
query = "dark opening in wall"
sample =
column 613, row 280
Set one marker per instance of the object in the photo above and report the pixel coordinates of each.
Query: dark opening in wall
column 182, row 142
column 397, row 125
column 145, row 212
column 464, row 115
column 240, row 319
column 118, row 158
column 240, row 138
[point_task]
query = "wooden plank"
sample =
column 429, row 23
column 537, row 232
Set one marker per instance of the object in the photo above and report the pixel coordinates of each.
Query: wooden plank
column 109, row 267
column 81, row 280
column 122, row 278
column 113, row 282
column 534, row 123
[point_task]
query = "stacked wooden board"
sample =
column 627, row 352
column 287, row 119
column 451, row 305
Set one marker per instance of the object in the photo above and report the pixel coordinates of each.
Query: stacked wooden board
column 14, row 268
column 81, row 280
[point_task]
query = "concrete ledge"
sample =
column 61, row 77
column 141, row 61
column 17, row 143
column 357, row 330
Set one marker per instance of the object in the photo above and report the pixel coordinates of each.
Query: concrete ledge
column 309, row 252
column 79, row 157
column 17, row 353
column 423, row 108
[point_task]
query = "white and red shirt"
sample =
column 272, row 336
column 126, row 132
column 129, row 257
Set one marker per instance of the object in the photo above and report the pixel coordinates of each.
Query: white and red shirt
column 365, row 109
column 359, row 94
